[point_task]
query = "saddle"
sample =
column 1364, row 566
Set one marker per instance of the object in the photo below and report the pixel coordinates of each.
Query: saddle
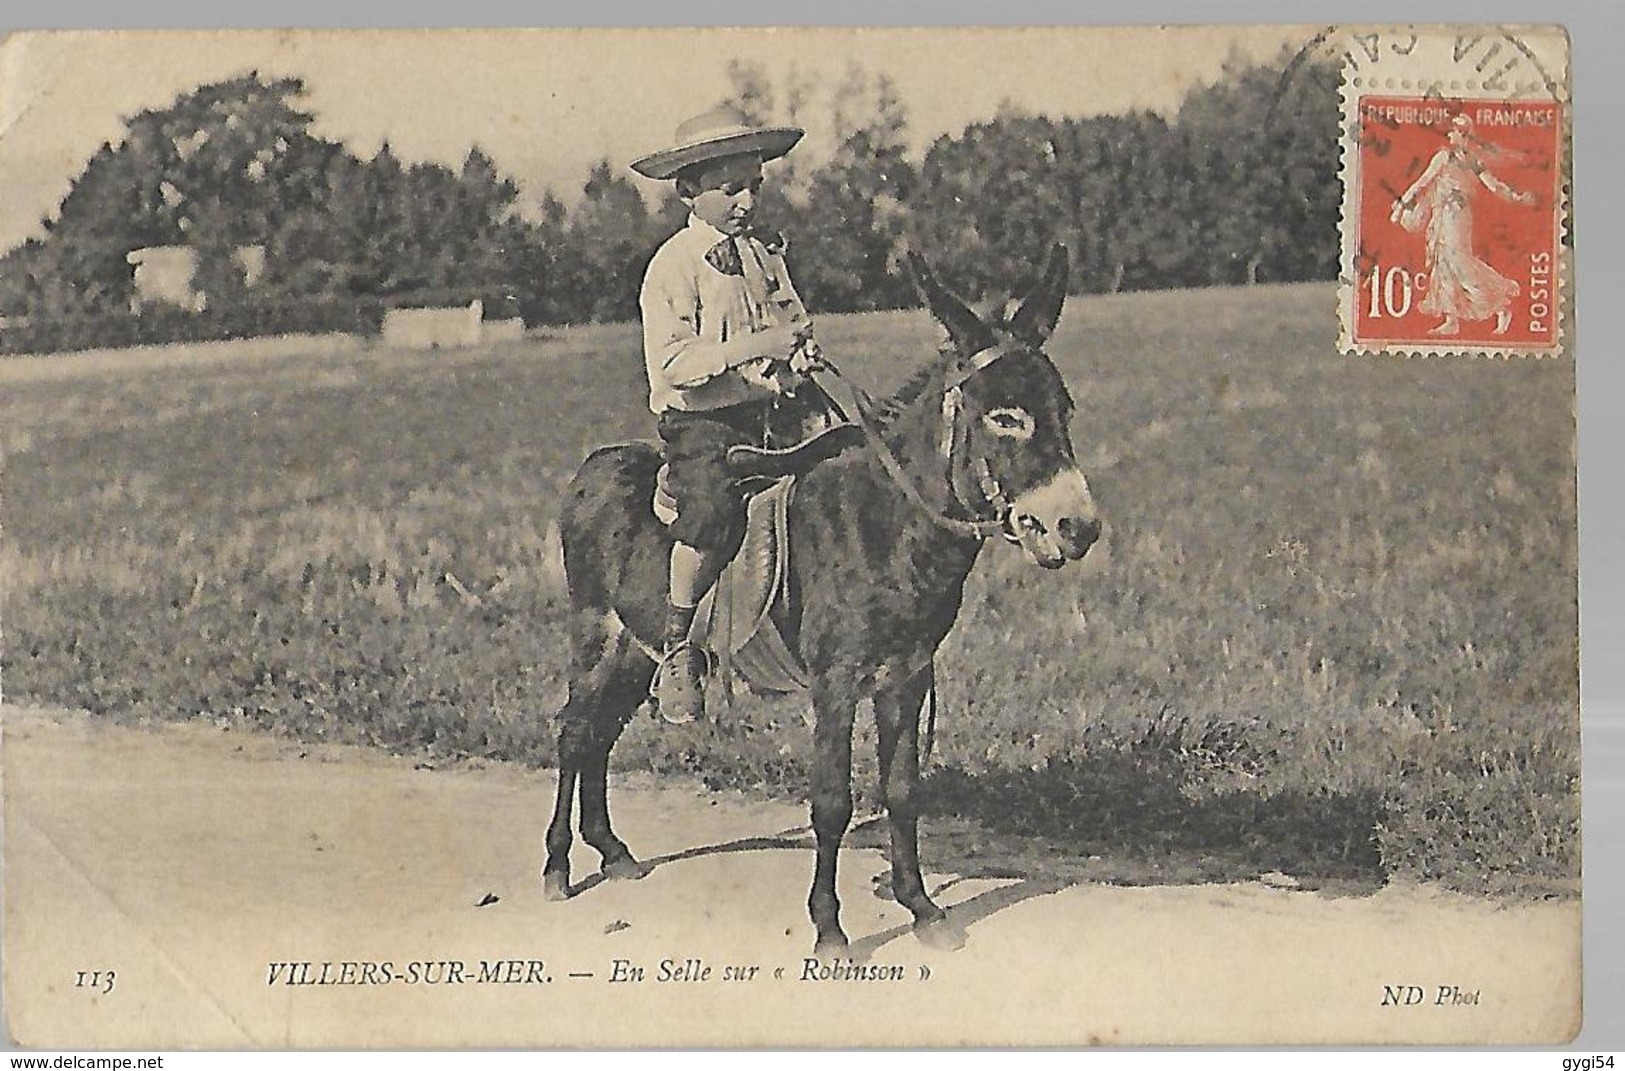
column 734, row 621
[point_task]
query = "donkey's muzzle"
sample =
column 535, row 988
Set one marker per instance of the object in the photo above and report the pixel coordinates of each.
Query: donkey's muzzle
column 1052, row 547
column 1055, row 523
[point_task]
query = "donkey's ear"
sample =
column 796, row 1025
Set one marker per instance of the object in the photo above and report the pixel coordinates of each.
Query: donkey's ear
column 1035, row 321
column 965, row 328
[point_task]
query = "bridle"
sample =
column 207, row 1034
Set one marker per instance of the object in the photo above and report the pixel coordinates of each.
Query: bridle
column 955, row 440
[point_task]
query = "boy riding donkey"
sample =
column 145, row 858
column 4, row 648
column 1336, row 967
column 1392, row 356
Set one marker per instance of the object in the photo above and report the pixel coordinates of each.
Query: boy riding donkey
column 728, row 347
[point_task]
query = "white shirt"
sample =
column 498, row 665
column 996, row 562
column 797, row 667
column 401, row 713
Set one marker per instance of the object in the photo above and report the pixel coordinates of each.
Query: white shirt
column 689, row 307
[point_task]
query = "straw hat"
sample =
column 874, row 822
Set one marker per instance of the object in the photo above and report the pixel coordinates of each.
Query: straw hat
column 720, row 132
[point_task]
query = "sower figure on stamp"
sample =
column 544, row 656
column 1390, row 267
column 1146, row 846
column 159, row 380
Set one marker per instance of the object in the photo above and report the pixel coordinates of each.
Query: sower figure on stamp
column 728, row 347
column 1462, row 286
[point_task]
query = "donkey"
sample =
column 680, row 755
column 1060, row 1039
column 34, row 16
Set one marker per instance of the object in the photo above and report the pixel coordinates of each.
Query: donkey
column 975, row 445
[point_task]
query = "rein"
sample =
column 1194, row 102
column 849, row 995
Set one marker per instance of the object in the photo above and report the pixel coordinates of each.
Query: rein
column 863, row 415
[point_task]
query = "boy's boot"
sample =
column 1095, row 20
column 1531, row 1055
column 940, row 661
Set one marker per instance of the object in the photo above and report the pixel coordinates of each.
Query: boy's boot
column 679, row 693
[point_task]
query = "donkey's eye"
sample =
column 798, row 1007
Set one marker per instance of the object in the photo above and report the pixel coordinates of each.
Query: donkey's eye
column 1011, row 423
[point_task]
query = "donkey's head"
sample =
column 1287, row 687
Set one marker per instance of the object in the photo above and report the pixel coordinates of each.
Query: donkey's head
column 1006, row 415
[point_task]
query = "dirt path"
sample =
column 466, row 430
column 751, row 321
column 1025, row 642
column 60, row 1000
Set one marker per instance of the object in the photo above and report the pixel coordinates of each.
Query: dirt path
column 189, row 861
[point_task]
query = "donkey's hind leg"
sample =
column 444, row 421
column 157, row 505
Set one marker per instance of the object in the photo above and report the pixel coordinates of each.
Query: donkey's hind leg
column 626, row 687
column 596, row 655
column 556, row 871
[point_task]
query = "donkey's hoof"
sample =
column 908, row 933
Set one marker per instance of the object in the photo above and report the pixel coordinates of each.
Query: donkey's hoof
column 831, row 945
column 941, row 935
column 627, row 869
column 555, row 887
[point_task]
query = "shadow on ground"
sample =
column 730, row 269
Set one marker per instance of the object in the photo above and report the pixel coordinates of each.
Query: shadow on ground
column 788, row 840
column 1117, row 819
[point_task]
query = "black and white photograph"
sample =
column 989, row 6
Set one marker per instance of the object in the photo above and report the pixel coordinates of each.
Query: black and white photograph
column 789, row 538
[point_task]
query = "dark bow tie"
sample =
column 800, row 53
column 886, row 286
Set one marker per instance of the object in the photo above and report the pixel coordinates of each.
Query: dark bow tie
column 724, row 257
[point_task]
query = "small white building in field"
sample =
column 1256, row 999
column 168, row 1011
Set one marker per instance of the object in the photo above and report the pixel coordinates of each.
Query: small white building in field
column 434, row 328
column 447, row 328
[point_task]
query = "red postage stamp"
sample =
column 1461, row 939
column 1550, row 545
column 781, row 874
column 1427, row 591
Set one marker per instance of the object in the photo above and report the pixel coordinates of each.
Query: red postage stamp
column 1454, row 208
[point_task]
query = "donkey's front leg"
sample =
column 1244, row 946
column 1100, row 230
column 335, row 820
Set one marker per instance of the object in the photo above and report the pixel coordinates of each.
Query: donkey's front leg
column 897, row 718
column 831, row 811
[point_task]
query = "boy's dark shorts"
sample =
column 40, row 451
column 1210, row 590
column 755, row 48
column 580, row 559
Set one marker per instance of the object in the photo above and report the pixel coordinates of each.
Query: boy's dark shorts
column 710, row 505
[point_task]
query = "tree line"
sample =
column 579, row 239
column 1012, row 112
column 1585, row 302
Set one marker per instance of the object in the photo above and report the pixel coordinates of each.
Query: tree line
column 1238, row 186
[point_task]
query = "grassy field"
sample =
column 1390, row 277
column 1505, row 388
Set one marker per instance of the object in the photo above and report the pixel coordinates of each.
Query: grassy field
column 1332, row 630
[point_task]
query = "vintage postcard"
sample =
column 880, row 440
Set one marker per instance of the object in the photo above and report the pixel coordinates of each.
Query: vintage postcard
column 789, row 538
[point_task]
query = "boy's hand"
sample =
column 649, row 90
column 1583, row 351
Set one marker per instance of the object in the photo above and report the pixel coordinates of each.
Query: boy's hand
column 779, row 343
column 786, row 355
